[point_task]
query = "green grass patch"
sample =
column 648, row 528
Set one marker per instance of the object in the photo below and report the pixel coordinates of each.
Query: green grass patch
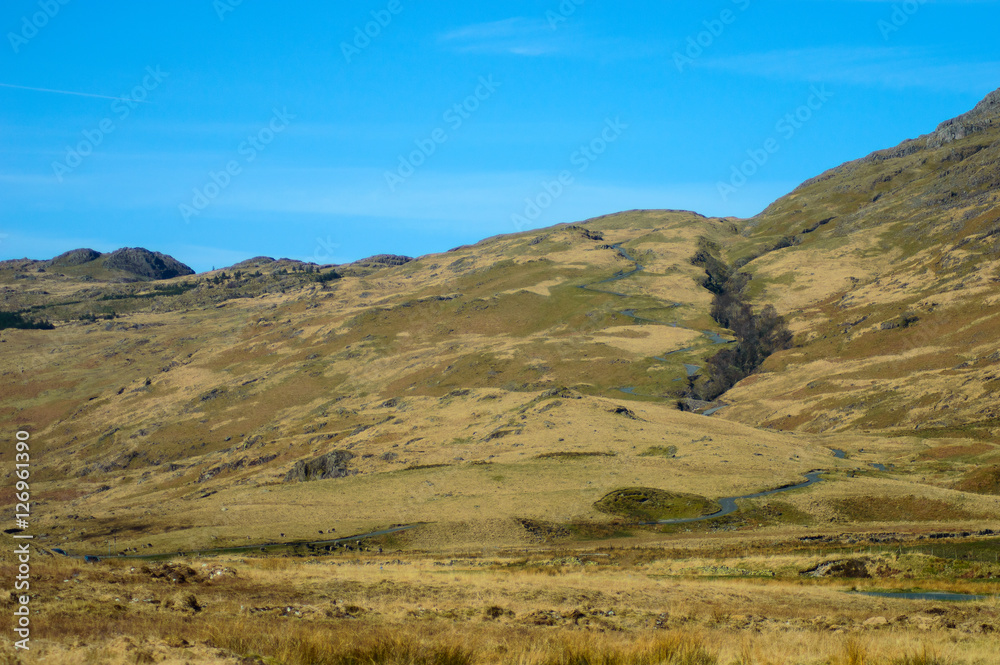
column 659, row 451
column 573, row 455
column 649, row 504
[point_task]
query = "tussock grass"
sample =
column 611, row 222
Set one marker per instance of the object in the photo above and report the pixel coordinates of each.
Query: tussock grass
column 670, row 649
column 547, row 607
column 575, row 454
column 310, row 645
column 868, row 651
column 926, row 656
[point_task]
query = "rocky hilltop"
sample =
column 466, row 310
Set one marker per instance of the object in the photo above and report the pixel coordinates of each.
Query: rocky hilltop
column 128, row 263
column 144, row 263
column 74, row 257
column 983, row 118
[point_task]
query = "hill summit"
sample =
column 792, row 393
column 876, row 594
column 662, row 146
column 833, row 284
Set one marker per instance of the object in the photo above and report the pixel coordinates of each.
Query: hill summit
column 125, row 264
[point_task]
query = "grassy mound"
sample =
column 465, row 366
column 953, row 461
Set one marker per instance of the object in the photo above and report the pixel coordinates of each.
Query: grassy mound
column 646, row 504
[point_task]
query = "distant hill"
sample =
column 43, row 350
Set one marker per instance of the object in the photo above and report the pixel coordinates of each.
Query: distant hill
column 126, row 264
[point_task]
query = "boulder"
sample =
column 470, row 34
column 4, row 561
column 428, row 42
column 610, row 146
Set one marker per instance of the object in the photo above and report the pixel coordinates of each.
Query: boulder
column 330, row 465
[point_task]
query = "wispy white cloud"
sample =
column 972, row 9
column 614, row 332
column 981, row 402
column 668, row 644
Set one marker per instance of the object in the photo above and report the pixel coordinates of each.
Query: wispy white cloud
column 513, row 36
column 535, row 37
column 71, row 92
column 896, row 68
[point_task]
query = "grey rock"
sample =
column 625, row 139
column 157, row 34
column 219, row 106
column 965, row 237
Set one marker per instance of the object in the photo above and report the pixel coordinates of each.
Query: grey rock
column 330, row 465
column 144, row 263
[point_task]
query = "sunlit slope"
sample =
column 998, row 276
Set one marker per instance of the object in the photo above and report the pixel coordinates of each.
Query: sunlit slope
column 508, row 313
column 888, row 269
column 500, row 390
column 441, row 360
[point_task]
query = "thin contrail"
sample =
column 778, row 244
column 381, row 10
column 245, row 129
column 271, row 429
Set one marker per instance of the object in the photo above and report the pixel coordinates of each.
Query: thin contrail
column 70, row 92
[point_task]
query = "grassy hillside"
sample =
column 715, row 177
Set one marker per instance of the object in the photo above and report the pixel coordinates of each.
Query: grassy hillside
column 502, row 390
column 889, row 270
column 456, row 382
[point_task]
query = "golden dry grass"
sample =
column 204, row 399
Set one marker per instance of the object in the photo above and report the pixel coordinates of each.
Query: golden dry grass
column 629, row 606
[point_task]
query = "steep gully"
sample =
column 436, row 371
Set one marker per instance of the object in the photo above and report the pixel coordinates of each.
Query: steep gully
column 727, row 504
column 691, row 370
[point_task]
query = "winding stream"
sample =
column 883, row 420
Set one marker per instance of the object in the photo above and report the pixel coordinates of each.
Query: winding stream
column 728, row 503
column 691, row 370
column 631, row 313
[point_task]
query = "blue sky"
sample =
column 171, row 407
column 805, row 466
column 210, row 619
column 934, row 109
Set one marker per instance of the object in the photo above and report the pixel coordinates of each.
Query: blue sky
column 219, row 130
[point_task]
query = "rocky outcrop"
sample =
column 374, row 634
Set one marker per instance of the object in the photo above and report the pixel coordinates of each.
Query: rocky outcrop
column 255, row 262
column 331, row 465
column 144, row 263
column 382, row 260
column 75, row 257
column 980, row 119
